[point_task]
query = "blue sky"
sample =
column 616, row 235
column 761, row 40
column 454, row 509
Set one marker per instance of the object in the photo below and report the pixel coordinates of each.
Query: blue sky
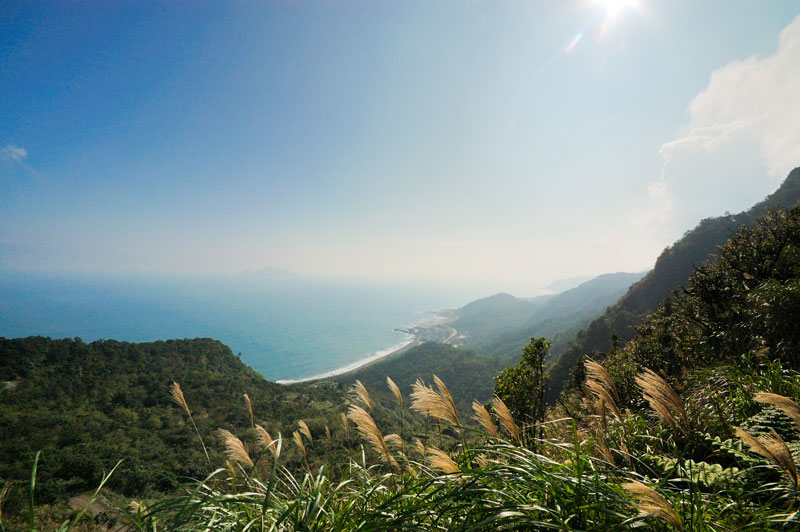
column 414, row 140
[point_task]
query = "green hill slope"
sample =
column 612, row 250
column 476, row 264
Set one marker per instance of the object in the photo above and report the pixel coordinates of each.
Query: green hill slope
column 88, row 405
column 671, row 271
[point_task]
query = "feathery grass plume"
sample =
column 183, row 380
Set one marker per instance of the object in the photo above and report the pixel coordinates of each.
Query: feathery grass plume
column 327, row 433
column 369, row 431
column 363, row 395
column 772, row 447
column 599, row 382
column 177, row 395
column 395, row 390
column 605, row 451
column 663, row 400
column 441, row 461
column 482, row 460
column 234, row 448
column 596, row 372
column 788, row 406
column 264, row 439
column 345, row 424
column 427, row 401
column 419, row 446
column 249, row 409
column 230, row 468
column 304, row 430
column 652, row 504
column 299, row 441
column 448, row 399
column 394, row 439
column 483, row 417
column 506, row 419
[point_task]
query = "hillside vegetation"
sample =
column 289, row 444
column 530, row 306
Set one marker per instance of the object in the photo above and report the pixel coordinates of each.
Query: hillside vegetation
column 87, row 405
column 671, row 271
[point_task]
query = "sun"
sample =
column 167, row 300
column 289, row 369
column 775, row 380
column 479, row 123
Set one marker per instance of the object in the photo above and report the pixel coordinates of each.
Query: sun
column 614, row 7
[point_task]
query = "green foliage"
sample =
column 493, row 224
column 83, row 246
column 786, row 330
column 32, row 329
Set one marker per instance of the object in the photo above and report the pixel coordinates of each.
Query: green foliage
column 85, row 406
column 523, row 387
column 671, row 271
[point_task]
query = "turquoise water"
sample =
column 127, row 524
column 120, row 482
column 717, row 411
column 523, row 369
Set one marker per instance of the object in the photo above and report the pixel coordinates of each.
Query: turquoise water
column 286, row 328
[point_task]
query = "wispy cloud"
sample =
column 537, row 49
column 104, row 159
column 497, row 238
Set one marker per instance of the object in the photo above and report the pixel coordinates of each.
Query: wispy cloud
column 743, row 138
column 13, row 153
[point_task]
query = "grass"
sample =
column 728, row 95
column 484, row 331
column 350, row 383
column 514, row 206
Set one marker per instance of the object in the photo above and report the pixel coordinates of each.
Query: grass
column 633, row 470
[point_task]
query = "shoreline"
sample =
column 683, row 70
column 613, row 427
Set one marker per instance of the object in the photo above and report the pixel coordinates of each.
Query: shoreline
column 397, row 349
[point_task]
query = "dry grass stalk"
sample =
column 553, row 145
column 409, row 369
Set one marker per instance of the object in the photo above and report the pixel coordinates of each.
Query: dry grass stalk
column 482, row 460
column 602, row 394
column 394, row 440
column 596, row 372
column 264, row 439
column 395, row 390
column 345, row 424
column 441, row 461
column 773, row 448
column 369, row 431
column 506, row 419
column 304, row 430
column 249, row 406
column 653, row 504
column 327, row 433
column 363, row 395
column 426, row 400
column 177, row 395
column 445, row 393
column 605, row 451
column 663, row 400
column 788, row 406
column 234, row 448
column 484, row 419
column 299, row 441
column 419, row 446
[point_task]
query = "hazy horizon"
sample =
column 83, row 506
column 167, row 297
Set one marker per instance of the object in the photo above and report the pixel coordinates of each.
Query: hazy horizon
column 494, row 146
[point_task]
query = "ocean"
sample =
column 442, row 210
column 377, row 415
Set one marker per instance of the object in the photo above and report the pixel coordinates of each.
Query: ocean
column 286, row 327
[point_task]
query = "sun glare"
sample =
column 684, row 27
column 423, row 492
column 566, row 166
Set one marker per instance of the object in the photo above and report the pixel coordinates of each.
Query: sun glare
column 614, row 7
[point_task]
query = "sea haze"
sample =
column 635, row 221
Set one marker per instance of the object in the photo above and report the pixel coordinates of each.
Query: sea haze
column 286, row 327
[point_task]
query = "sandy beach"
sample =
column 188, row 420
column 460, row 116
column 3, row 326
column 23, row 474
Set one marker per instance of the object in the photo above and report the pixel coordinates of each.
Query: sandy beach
column 399, row 349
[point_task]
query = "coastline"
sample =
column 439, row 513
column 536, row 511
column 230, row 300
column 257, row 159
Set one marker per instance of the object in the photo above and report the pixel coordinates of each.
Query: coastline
column 415, row 340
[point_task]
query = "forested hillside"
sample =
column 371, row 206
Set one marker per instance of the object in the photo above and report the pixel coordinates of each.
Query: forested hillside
column 671, row 271
column 88, row 405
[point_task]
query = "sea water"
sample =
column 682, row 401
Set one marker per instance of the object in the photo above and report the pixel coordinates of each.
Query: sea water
column 285, row 327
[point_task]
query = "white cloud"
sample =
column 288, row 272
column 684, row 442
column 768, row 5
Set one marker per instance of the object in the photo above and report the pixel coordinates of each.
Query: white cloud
column 744, row 138
column 13, row 153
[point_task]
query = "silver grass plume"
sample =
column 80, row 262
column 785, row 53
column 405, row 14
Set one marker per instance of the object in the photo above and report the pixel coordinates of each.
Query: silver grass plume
column 652, row 504
column 506, row 419
column 234, row 448
column 369, row 431
column 249, row 406
column 177, row 395
column 663, row 400
column 395, row 390
column 362, row 394
column 483, row 418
